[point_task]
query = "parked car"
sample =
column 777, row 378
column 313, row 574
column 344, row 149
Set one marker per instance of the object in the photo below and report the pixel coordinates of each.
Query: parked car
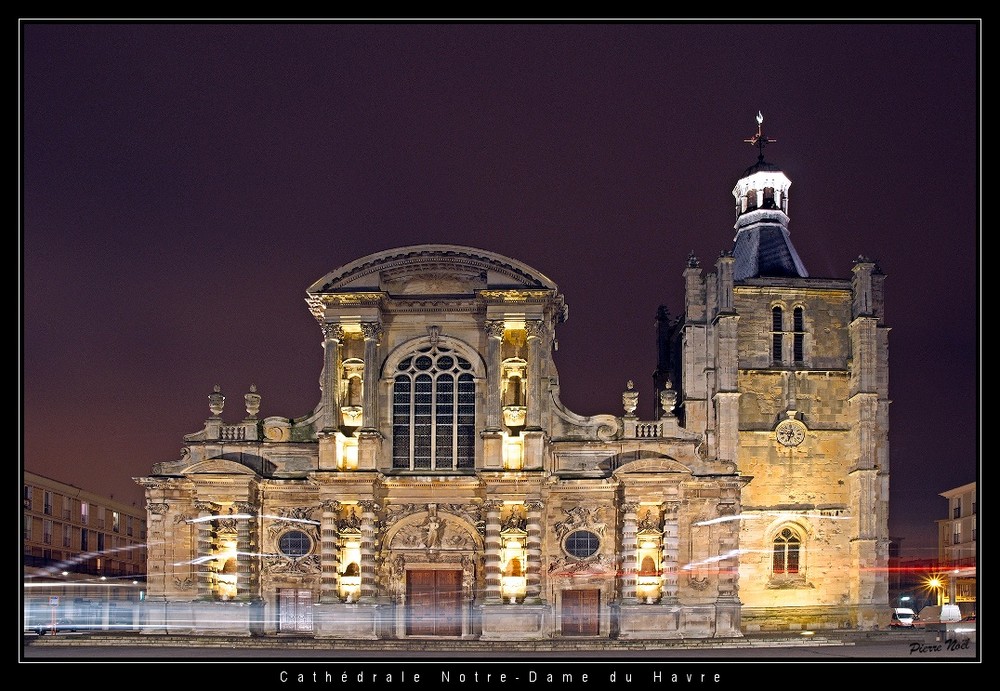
column 902, row 617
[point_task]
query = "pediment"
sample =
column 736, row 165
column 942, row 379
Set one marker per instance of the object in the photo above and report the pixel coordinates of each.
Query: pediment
column 431, row 270
column 635, row 463
column 218, row 466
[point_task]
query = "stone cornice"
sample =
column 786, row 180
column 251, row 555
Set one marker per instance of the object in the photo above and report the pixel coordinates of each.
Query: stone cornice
column 514, row 295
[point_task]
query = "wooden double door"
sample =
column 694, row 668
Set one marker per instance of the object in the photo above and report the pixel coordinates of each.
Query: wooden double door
column 581, row 612
column 434, row 602
column 295, row 611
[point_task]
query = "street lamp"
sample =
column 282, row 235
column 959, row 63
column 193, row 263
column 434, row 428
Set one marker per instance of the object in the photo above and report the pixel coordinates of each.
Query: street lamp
column 935, row 584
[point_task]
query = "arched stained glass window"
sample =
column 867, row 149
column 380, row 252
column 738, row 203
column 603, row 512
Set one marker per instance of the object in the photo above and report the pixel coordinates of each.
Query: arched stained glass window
column 786, row 553
column 433, row 411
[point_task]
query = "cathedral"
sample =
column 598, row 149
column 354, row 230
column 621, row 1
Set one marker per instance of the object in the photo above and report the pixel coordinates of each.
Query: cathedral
column 440, row 488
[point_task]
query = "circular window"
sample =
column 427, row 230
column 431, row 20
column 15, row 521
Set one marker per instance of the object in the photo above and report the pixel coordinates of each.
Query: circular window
column 423, row 363
column 295, row 544
column 582, row 544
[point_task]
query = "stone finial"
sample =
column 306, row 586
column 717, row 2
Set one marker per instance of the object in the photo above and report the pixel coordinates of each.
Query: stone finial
column 216, row 401
column 252, row 402
column 693, row 262
column 668, row 398
column 630, row 399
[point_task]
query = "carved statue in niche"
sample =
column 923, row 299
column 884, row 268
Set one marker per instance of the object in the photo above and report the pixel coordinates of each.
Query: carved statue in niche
column 351, row 520
column 513, row 568
column 514, row 521
column 650, row 520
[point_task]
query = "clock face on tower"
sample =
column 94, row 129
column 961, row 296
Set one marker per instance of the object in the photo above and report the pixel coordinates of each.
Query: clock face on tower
column 790, row 432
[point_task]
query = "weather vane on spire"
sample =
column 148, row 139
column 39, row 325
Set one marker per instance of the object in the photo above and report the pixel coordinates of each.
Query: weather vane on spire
column 759, row 140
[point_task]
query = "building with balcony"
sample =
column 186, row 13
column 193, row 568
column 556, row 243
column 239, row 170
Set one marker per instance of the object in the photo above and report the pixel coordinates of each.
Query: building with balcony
column 83, row 554
column 957, row 547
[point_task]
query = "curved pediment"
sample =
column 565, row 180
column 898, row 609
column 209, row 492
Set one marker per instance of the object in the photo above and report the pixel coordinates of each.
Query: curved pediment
column 639, row 462
column 218, row 466
column 432, row 270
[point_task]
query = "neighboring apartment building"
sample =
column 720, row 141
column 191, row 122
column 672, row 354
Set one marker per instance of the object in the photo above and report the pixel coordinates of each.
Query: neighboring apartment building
column 957, row 544
column 82, row 553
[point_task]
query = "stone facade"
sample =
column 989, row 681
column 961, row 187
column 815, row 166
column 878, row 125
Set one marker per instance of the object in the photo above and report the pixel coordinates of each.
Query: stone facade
column 441, row 489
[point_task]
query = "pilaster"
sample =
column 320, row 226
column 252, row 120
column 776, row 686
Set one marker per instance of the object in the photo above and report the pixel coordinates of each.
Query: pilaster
column 492, row 548
column 368, row 530
column 329, row 552
column 204, row 547
column 333, row 334
column 372, row 332
column 533, row 585
column 533, row 421
column 629, row 546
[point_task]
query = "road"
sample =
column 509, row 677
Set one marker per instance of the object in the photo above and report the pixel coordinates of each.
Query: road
column 900, row 645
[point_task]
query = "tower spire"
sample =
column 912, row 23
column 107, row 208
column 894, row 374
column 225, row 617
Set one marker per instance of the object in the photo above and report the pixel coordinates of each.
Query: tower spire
column 759, row 140
column 762, row 246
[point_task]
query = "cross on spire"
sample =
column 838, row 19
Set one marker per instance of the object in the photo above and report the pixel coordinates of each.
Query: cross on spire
column 759, row 140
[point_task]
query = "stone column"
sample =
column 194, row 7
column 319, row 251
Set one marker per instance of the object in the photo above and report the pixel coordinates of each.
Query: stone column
column 493, row 546
column 329, row 552
column 533, row 584
column 204, row 530
column 372, row 332
column 246, row 552
column 534, row 413
column 494, row 332
column 670, row 553
column 369, row 437
column 368, row 527
column 333, row 334
column 629, row 530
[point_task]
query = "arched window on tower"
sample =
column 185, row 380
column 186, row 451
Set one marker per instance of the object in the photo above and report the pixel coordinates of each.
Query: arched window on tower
column 768, row 198
column 798, row 326
column 786, row 553
column 776, row 334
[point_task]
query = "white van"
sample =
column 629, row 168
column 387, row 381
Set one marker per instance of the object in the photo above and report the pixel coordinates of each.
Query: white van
column 902, row 616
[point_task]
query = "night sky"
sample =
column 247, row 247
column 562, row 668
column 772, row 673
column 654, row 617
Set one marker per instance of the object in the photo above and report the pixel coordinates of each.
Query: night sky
column 184, row 183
